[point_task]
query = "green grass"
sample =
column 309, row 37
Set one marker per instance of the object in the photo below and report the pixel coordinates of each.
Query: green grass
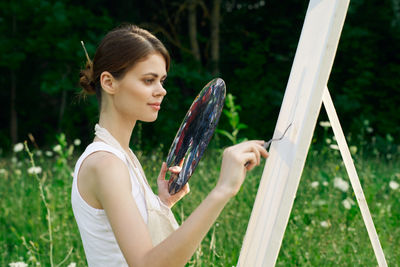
column 341, row 239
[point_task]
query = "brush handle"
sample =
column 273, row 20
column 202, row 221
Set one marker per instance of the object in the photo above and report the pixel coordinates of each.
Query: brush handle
column 267, row 144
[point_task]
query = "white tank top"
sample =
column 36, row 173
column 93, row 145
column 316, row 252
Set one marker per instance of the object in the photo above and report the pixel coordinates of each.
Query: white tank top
column 100, row 245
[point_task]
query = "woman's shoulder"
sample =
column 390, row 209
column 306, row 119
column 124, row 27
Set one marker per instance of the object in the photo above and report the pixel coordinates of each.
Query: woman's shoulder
column 102, row 163
column 98, row 155
column 104, row 171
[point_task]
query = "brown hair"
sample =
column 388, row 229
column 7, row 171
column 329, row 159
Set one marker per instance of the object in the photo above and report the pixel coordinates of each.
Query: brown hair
column 117, row 53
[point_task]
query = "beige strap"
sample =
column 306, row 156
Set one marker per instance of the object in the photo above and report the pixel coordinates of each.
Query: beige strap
column 160, row 220
column 105, row 135
column 137, row 163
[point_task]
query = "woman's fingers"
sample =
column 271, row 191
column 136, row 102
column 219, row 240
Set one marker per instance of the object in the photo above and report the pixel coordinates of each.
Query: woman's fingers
column 257, row 154
column 175, row 169
column 236, row 160
column 255, row 148
column 172, row 199
column 263, row 151
column 251, row 161
column 185, row 189
column 163, row 171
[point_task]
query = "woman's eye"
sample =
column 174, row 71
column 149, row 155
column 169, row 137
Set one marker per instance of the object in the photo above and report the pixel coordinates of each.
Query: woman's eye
column 163, row 82
column 148, row 81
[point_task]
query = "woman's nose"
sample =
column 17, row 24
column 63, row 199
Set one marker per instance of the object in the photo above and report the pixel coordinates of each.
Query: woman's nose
column 160, row 91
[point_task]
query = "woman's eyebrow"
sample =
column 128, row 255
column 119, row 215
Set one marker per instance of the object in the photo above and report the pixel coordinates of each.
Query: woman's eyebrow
column 154, row 74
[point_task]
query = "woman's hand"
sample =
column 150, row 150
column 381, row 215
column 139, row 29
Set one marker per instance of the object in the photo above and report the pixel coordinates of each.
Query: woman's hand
column 163, row 192
column 236, row 161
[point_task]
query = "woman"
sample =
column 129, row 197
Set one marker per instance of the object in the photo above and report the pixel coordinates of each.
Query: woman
column 121, row 221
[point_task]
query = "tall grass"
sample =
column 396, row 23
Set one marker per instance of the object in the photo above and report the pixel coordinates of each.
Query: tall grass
column 325, row 227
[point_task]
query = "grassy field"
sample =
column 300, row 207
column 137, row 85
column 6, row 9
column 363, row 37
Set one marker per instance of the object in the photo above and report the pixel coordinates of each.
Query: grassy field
column 325, row 227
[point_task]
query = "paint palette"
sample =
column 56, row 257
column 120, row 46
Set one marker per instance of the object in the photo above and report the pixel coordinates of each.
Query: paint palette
column 195, row 133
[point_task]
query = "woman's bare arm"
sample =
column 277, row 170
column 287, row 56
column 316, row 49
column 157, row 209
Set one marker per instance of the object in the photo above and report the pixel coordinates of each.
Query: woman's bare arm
column 114, row 193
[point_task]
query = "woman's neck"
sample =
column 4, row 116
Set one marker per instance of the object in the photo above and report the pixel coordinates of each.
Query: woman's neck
column 119, row 127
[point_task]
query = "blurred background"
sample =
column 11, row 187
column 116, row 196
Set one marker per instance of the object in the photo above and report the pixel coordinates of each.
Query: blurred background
column 250, row 44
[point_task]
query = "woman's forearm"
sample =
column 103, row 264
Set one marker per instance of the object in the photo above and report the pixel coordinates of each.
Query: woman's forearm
column 178, row 248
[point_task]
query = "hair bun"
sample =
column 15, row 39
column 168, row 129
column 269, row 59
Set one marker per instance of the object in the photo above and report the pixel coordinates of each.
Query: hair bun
column 86, row 79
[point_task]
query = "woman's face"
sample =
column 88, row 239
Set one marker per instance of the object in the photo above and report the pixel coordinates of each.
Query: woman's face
column 140, row 92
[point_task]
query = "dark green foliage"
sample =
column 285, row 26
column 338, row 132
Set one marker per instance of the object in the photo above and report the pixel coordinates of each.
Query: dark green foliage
column 40, row 44
column 43, row 49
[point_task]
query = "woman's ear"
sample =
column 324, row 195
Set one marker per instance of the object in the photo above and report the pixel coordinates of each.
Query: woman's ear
column 108, row 82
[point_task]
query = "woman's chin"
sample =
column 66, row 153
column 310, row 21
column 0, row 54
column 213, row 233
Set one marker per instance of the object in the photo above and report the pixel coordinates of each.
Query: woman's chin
column 150, row 119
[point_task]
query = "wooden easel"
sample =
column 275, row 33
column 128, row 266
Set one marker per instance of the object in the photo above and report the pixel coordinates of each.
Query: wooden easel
column 305, row 93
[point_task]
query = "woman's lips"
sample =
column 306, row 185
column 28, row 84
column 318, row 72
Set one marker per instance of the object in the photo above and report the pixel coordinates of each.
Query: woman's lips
column 156, row 106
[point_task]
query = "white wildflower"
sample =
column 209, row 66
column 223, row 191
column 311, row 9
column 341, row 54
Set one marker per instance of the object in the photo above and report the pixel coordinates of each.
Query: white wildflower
column 353, row 150
column 57, row 148
column 3, row 171
column 314, row 184
column 77, row 142
column 14, row 160
column 325, row 124
column 394, row 185
column 328, row 141
column 18, row 147
column 18, row 264
column 18, row 172
column 347, row 203
column 324, row 224
column 320, row 202
column 334, row 147
column 340, row 184
column 32, row 258
column 38, row 153
column 72, row 264
column 369, row 129
column 35, row 170
column 325, row 183
column 48, row 153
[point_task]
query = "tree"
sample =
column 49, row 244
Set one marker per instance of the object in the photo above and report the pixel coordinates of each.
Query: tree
column 42, row 51
column 192, row 25
column 215, row 21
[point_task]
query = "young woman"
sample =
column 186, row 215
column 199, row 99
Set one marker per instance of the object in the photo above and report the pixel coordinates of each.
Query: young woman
column 121, row 221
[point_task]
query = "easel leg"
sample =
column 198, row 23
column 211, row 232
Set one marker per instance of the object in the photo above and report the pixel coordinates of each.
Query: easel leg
column 355, row 182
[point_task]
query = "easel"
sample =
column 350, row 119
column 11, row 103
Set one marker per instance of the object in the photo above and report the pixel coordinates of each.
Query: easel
column 305, row 93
